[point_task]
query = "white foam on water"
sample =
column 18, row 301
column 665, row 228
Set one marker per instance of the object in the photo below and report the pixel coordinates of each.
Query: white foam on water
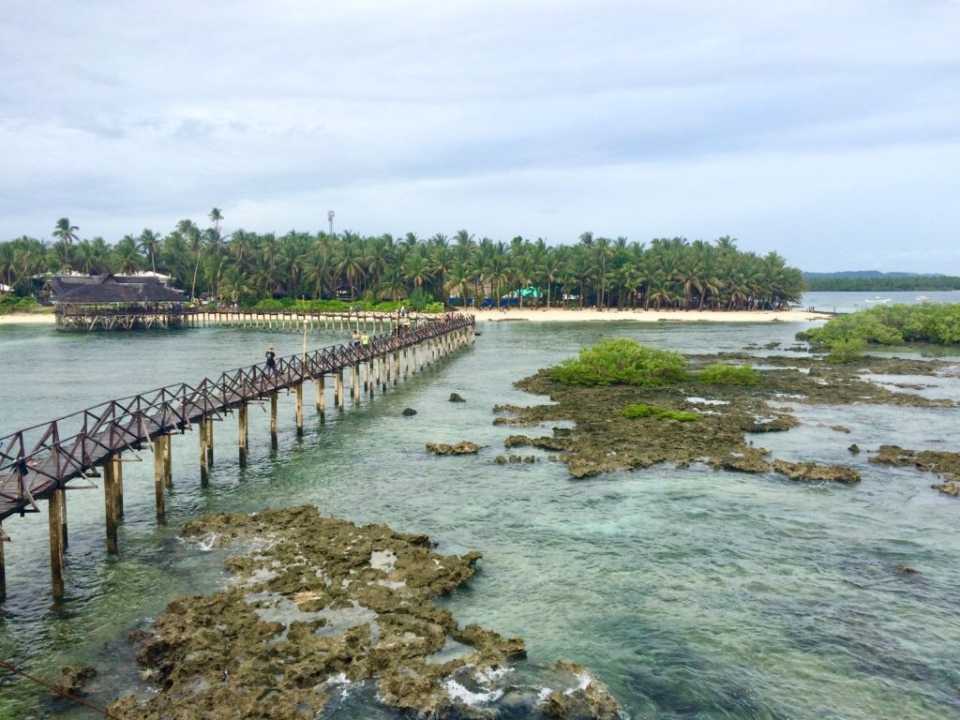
column 704, row 401
column 457, row 692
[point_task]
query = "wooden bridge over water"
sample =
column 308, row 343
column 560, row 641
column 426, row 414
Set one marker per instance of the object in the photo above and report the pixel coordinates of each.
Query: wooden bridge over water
column 36, row 464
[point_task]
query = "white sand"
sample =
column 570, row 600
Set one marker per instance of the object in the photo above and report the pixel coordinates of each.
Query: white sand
column 563, row 315
column 558, row 315
column 28, row 319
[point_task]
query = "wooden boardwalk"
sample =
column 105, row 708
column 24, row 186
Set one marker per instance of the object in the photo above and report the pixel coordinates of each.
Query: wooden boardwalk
column 37, row 463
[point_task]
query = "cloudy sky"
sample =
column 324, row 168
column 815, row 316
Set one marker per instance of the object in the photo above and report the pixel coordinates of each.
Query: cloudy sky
column 827, row 130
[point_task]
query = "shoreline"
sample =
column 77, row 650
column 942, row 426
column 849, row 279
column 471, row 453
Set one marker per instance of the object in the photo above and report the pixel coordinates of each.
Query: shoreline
column 568, row 315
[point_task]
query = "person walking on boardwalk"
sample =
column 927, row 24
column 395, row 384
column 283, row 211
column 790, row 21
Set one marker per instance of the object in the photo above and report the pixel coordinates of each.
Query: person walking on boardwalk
column 271, row 362
column 364, row 340
column 355, row 339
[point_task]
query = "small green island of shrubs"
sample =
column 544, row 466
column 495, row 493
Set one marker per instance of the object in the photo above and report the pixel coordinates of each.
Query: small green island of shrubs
column 847, row 335
column 622, row 361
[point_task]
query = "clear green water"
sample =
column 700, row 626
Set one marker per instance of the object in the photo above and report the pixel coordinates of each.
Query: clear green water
column 691, row 593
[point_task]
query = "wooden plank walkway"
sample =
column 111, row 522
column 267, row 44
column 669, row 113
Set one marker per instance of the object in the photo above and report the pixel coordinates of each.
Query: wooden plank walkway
column 37, row 462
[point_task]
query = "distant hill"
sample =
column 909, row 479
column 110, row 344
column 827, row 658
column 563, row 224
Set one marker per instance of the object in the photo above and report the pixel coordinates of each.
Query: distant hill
column 875, row 281
column 843, row 275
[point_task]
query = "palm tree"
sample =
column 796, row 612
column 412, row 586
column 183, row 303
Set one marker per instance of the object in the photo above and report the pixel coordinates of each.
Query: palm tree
column 125, row 259
column 150, row 243
column 65, row 232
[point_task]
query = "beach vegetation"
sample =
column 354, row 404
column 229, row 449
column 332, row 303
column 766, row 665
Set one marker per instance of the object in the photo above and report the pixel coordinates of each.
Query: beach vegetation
column 621, row 361
column 898, row 324
column 723, row 374
column 644, row 411
column 844, row 350
column 232, row 266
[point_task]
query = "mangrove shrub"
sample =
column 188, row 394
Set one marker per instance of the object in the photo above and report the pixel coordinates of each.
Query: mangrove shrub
column 935, row 323
column 642, row 411
column 720, row 374
column 620, row 362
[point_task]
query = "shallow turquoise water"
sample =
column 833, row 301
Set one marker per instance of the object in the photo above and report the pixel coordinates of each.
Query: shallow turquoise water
column 692, row 593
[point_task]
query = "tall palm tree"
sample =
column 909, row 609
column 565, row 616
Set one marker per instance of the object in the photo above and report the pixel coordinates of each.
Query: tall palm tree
column 149, row 243
column 65, row 232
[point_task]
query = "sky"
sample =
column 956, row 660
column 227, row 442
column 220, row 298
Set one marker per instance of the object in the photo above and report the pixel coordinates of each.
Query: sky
column 827, row 131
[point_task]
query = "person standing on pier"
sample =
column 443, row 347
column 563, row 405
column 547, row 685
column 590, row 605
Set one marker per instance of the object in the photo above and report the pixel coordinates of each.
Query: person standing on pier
column 355, row 339
column 364, row 339
column 271, row 362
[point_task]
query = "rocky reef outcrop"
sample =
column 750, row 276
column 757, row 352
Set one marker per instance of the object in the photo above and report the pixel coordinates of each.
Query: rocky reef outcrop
column 316, row 604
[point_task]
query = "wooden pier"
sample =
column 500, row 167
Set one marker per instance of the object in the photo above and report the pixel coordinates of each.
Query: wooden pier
column 36, row 464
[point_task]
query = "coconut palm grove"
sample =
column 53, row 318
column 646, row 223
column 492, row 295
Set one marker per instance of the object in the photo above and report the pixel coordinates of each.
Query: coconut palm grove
column 252, row 269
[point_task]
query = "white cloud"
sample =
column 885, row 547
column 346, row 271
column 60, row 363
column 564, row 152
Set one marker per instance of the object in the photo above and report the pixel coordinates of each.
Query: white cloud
column 825, row 131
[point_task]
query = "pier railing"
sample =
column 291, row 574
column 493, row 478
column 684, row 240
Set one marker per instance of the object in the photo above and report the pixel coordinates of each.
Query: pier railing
column 37, row 461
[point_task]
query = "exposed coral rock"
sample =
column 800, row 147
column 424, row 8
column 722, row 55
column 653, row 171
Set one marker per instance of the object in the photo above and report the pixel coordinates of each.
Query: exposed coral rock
column 814, row 472
column 590, row 699
column 463, row 447
column 316, row 599
column 855, row 449
column 456, row 398
column 408, row 412
column 945, row 464
column 602, row 441
column 546, row 443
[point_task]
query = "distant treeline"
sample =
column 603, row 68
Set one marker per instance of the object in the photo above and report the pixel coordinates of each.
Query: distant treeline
column 245, row 268
column 911, row 283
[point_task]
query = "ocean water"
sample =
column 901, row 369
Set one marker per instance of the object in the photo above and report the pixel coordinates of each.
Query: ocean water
column 692, row 593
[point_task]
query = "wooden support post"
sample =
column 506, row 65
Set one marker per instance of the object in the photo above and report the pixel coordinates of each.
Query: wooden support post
column 55, row 509
column 118, row 480
column 406, row 362
column 355, row 383
column 167, row 462
column 204, row 467
column 338, row 393
column 242, row 434
column 396, row 366
column 3, row 570
column 209, row 422
column 273, row 417
column 321, row 406
column 110, row 502
column 158, row 475
column 63, row 519
column 299, row 395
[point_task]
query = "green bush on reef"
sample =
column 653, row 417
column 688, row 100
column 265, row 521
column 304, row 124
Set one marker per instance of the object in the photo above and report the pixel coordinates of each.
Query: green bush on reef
column 642, row 411
column 844, row 350
column 934, row 323
column 620, row 362
column 720, row 374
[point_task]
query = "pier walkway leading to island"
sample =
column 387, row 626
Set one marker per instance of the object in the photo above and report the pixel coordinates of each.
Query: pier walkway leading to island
column 36, row 464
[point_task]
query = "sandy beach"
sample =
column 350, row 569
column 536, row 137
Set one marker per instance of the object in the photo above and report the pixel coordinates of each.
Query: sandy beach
column 27, row 319
column 592, row 315
column 565, row 315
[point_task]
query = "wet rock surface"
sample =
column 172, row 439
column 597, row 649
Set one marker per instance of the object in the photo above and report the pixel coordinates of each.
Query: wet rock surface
column 944, row 464
column 318, row 603
column 464, row 447
column 730, row 418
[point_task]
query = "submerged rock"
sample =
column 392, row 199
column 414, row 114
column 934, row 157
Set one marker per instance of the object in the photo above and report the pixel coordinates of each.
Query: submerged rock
column 455, row 398
column 408, row 412
column 72, row 679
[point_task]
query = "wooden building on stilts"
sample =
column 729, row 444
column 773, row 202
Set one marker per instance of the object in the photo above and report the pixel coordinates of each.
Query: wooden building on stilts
column 115, row 302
